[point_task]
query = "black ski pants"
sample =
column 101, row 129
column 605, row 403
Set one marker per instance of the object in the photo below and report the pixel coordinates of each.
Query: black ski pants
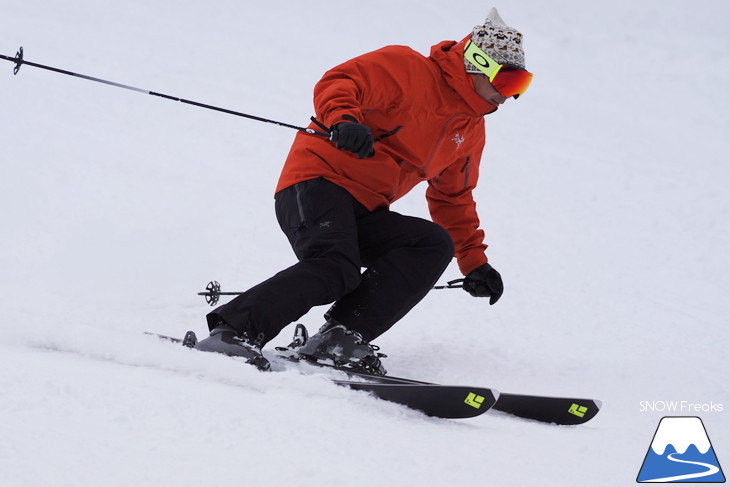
column 334, row 237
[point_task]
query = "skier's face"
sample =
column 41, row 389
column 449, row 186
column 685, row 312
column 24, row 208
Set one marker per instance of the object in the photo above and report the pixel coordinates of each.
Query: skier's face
column 485, row 89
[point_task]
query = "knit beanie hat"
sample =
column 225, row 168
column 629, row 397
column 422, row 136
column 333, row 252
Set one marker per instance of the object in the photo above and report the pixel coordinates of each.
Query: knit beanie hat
column 500, row 41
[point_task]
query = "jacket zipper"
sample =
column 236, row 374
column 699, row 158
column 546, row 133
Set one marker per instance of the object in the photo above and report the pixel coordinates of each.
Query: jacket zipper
column 303, row 220
column 441, row 137
column 467, row 169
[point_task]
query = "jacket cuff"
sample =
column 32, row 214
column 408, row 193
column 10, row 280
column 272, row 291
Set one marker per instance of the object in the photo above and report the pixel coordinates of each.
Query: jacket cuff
column 471, row 261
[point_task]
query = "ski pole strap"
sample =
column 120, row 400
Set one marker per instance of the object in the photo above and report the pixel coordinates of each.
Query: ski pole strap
column 327, row 130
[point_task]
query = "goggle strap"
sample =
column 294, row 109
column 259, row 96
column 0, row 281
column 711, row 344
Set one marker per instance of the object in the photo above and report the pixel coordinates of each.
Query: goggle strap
column 481, row 60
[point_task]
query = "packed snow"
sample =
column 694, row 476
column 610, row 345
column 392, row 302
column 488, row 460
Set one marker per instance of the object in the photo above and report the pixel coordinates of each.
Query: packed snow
column 604, row 196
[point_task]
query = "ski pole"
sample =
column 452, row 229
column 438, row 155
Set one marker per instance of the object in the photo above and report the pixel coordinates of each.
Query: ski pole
column 213, row 291
column 455, row 284
column 19, row 61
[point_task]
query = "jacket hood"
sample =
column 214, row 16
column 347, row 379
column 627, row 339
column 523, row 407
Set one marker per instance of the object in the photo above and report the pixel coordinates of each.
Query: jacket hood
column 449, row 56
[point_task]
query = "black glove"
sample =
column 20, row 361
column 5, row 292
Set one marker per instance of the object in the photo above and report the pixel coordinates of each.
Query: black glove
column 484, row 282
column 354, row 137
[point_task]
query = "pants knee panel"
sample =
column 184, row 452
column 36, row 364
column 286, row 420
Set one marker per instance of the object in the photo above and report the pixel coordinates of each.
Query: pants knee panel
column 341, row 277
column 443, row 244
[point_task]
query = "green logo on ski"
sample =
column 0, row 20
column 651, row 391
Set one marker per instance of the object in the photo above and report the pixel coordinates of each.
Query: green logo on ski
column 474, row 400
column 578, row 410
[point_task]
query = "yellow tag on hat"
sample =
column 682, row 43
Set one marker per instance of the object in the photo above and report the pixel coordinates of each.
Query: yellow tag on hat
column 481, row 60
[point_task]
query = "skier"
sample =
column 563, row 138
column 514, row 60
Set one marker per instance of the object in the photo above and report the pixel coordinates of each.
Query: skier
column 395, row 118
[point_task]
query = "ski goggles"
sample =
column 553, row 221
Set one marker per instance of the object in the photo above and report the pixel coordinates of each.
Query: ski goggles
column 507, row 80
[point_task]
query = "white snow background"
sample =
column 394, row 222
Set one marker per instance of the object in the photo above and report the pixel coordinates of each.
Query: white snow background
column 604, row 195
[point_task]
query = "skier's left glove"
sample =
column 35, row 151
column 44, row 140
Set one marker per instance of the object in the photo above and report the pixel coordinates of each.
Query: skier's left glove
column 484, row 282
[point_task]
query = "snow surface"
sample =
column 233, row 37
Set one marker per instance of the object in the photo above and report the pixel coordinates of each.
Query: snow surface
column 604, row 197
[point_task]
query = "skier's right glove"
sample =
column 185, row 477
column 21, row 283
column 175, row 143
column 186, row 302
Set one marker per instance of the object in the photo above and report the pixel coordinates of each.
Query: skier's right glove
column 484, row 282
column 354, row 137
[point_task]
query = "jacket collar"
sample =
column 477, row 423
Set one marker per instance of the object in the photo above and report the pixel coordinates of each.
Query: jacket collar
column 449, row 56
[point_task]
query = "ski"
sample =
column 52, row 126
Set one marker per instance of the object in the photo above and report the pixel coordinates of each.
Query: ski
column 559, row 410
column 442, row 401
column 549, row 409
column 165, row 337
column 189, row 340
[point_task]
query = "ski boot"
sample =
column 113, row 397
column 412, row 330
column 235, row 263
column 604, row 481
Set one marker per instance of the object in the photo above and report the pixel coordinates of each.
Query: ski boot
column 226, row 340
column 341, row 347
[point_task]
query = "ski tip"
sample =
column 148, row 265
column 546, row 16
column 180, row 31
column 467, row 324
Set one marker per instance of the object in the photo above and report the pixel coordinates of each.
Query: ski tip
column 549, row 409
column 586, row 413
column 164, row 337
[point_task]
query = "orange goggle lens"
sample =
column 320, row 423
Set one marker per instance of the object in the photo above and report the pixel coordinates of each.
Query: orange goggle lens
column 512, row 82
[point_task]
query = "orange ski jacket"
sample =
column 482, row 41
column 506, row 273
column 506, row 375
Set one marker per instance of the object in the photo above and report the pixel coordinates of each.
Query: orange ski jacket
column 428, row 124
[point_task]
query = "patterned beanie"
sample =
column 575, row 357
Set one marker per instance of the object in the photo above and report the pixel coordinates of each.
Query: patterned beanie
column 500, row 41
